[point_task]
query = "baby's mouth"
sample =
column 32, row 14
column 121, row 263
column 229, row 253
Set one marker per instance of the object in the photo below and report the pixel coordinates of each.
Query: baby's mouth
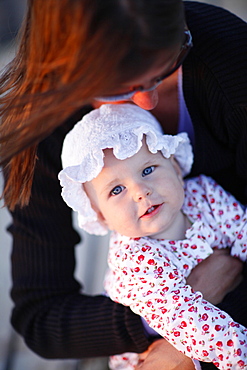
column 152, row 210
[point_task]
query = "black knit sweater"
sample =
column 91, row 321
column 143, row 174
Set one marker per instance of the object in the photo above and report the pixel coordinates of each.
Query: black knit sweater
column 55, row 319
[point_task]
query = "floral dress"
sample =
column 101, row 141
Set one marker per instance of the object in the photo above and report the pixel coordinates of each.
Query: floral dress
column 149, row 276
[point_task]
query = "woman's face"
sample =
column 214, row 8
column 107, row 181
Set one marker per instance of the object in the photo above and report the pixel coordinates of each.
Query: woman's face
column 148, row 99
column 142, row 89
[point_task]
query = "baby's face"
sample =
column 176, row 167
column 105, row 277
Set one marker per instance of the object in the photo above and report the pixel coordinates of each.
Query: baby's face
column 138, row 196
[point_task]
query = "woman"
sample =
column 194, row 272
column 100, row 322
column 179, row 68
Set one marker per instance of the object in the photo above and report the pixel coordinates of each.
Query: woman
column 72, row 51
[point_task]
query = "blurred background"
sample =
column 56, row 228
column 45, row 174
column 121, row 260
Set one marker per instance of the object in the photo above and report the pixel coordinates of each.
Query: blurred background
column 14, row 355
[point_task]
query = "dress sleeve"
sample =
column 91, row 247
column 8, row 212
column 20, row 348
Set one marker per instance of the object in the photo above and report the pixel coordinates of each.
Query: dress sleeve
column 230, row 218
column 147, row 281
column 52, row 315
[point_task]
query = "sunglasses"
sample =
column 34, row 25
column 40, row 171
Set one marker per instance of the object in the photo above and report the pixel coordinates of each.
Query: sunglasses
column 185, row 48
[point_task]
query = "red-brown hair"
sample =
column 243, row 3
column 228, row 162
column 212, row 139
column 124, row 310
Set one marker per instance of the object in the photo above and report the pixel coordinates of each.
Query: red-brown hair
column 71, row 51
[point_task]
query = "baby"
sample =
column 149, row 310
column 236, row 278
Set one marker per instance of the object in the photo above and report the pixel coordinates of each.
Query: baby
column 121, row 173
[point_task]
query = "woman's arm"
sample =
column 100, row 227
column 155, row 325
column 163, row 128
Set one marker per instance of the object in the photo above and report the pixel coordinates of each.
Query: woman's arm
column 219, row 267
column 55, row 319
column 162, row 355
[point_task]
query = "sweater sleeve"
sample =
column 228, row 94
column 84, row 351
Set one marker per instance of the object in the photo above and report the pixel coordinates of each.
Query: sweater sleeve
column 52, row 315
column 216, row 95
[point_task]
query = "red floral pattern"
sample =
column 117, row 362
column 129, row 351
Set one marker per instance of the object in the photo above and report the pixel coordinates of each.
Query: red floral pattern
column 149, row 276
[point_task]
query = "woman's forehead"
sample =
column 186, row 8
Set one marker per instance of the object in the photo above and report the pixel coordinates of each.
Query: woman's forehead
column 163, row 63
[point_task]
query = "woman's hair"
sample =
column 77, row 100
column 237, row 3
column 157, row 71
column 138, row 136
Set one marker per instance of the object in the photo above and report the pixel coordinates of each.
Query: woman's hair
column 69, row 52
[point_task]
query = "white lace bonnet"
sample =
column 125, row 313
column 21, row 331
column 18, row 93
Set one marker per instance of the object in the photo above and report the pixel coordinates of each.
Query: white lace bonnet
column 120, row 127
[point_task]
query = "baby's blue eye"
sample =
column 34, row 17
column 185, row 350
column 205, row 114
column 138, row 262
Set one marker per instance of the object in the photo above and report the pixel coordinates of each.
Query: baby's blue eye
column 147, row 171
column 117, row 190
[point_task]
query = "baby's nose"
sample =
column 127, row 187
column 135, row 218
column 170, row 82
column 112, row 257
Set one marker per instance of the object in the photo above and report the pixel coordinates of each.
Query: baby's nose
column 141, row 193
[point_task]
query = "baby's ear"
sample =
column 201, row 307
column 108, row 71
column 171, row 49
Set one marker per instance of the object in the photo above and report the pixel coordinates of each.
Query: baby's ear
column 177, row 168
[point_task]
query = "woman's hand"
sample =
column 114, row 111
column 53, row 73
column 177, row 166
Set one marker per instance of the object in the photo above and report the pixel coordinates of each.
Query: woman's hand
column 216, row 276
column 161, row 355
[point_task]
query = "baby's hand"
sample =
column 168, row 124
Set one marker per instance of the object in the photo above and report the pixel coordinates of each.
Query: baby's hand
column 216, row 276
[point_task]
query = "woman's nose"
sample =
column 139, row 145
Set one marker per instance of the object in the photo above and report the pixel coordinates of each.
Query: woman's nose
column 146, row 100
